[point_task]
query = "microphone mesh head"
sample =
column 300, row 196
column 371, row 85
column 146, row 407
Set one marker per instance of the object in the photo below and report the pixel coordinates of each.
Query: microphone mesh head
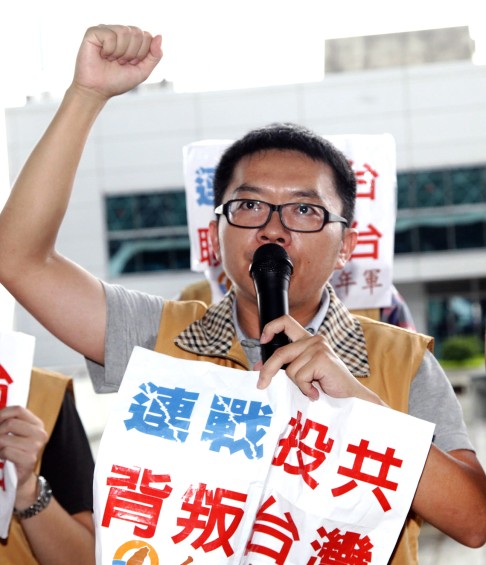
column 271, row 258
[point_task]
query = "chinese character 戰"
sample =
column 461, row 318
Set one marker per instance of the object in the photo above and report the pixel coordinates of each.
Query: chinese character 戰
column 238, row 425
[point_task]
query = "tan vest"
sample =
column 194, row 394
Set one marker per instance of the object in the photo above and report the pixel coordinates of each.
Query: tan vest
column 394, row 356
column 47, row 390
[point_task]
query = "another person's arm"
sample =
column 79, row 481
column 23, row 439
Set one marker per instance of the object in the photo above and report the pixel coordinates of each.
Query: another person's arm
column 65, row 298
column 56, row 537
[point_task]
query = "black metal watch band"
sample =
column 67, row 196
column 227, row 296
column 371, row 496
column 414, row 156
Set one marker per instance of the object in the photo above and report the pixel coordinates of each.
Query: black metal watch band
column 45, row 495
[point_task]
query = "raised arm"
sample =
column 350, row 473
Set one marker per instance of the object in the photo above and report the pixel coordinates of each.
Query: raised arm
column 65, row 298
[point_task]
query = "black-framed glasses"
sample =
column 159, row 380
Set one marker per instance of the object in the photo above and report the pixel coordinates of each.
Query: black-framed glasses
column 295, row 216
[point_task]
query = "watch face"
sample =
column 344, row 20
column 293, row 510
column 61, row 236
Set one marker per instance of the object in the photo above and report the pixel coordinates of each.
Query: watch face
column 46, row 492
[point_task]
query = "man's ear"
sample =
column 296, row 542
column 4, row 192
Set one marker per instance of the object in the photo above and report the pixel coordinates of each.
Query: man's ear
column 348, row 244
column 214, row 239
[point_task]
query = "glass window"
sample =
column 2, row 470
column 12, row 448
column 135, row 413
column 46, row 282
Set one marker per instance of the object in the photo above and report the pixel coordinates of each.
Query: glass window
column 434, row 238
column 146, row 210
column 120, row 213
column 430, row 189
column 136, row 255
column 468, row 186
column 470, row 236
column 147, row 232
column 404, row 241
column 451, row 315
column 461, row 192
column 164, row 209
column 404, row 191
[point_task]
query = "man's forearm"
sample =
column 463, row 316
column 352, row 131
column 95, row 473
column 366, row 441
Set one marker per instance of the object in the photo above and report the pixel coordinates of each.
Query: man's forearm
column 58, row 538
column 452, row 495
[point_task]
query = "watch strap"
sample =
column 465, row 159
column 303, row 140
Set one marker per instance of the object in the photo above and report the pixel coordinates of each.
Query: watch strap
column 45, row 495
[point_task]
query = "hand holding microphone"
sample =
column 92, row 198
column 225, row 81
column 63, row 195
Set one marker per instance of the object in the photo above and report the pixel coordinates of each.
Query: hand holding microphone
column 270, row 270
column 322, row 368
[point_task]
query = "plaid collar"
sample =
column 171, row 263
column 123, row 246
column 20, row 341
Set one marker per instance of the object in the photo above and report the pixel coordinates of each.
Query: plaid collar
column 214, row 333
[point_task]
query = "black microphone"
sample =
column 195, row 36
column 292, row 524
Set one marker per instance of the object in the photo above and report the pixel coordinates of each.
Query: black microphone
column 270, row 270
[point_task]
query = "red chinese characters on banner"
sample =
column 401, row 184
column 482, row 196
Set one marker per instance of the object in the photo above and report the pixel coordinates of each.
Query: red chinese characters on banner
column 132, row 499
column 2, row 475
column 345, row 281
column 209, row 512
column 5, row 381
column 281, row 531
column 367, row 246
column 386, row 460
column 141, row 506
column 372, row 278
column 293, row 443
column 206, row 254
column 277, row 535
column 341, row 547
column 369, row 237
column 314, row 450
column 366, row 177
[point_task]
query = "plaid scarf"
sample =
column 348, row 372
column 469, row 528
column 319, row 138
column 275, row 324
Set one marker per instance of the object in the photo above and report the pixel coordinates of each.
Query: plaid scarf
column 214, row 333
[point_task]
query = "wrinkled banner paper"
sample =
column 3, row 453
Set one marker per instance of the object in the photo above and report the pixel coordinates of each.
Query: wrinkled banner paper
column 197, row 465
column 16, row 357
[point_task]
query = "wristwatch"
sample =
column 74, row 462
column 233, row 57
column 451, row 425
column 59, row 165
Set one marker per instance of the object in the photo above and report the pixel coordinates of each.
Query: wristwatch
column 45, row 495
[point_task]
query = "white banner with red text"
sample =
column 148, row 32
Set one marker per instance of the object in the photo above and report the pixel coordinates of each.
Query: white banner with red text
column 16, row 357
column 198, row 465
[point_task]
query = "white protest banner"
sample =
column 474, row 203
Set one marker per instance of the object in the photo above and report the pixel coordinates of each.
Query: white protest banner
column 198, row 465
column 345, row 489
column 199, row 161
column 198, row 444
column 366, row 282
column 16, row 357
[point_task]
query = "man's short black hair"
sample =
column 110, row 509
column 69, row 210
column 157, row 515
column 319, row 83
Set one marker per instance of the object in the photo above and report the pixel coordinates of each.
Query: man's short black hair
column 289, row 137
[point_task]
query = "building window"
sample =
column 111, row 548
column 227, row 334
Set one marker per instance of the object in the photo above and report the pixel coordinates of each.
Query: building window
column 471, row 235
column 433, row 238
column 456, row 308
column 430, row 189
column 147, row 232
column 469, row 185
column 441, row 210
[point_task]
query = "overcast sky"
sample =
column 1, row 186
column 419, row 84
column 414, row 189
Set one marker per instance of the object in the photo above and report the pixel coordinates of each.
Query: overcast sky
column 209, row 44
